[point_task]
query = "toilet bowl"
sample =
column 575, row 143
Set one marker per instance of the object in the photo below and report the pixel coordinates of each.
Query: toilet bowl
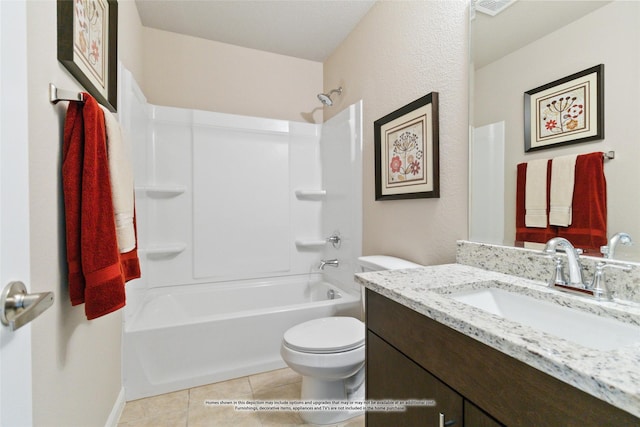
column 329, row 353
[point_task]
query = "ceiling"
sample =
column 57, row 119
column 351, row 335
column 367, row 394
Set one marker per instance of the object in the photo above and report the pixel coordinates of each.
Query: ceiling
column 307, row 29
column 522, row 23
column 313, row 29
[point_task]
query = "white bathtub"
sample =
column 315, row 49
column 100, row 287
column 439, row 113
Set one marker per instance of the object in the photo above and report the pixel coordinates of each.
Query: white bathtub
column 185, row 336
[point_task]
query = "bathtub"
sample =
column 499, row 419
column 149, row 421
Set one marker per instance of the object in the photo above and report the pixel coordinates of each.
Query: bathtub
column 185, row 336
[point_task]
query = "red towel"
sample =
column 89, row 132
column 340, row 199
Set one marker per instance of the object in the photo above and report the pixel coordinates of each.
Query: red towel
column 97, row 272
column 588, row 229
column 524, row 233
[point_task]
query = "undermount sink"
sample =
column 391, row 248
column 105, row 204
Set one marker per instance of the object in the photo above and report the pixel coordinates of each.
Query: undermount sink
column 587, row 329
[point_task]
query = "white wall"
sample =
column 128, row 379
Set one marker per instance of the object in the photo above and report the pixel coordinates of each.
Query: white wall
column 398, row 53
column 610, row 36
column 76, row 363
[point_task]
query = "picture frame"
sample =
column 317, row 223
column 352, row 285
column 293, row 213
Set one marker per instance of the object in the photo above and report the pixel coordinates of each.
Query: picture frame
column 566, row 111
column 407, row 164
column 88, row 46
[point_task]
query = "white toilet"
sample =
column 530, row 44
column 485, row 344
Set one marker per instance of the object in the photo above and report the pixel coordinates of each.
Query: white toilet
column 329, row 354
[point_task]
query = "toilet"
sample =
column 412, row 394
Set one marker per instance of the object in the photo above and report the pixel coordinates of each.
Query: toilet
column 329, row 353
column 384, row 262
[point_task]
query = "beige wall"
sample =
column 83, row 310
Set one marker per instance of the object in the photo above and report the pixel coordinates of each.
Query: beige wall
column 592, row 40
column 189, row 72
column 76, row 363
column 130, row 38
column 399, row 52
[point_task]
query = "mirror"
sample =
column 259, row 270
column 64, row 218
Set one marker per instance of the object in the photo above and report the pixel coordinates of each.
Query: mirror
column 532, row 43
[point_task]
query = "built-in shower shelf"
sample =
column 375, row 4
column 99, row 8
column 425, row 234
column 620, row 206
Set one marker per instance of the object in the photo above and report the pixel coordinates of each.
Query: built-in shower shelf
column 310, row 243
column 164, row 251
column 162, row 191
column 311, row 194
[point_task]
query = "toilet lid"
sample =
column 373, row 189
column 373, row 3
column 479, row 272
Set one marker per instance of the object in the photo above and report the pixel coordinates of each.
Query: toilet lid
column 326, row 335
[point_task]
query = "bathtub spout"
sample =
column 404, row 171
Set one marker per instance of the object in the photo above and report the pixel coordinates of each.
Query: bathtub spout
column 329, row 262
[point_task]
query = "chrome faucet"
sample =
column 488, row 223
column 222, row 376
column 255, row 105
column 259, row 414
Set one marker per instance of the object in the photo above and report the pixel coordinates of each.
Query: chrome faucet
column 575, row 269
column 598, row 287
column 618, row 238
column 329, row 262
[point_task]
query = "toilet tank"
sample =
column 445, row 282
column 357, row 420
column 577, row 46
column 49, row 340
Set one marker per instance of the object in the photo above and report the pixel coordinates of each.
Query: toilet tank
column 384, row 262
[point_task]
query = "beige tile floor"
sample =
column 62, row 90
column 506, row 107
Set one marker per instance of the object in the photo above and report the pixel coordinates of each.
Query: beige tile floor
column 186, row 408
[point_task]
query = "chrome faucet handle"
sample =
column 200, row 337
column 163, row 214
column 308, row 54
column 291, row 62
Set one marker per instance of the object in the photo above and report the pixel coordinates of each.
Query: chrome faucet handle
column 335, row 239
column 558, row 273
column 599, row 285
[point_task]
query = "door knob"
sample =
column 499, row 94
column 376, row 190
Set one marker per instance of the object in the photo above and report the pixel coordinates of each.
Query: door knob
column 17, row 307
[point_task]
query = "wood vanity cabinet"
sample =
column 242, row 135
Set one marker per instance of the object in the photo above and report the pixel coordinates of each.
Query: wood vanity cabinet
column 398, row 376
column 410, row 356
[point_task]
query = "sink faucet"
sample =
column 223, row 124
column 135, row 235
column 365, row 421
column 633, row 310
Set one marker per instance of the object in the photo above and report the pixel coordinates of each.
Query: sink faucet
column 618, row 238
column 329, row 262
column 598, row 287
column 575, row 269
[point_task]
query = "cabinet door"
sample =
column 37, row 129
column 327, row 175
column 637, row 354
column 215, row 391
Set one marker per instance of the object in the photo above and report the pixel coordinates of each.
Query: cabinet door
column 476, row 417
column 392, row 375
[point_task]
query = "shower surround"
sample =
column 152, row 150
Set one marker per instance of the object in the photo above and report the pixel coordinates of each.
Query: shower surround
column 227, row 202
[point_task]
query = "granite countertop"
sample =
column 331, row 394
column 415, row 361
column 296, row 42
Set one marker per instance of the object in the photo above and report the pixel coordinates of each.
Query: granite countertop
column 612, row 376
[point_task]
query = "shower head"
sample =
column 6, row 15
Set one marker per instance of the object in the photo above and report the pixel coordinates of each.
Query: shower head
column 325, row 98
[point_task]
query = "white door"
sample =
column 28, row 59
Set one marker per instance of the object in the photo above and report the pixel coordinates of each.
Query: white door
column 15, row 346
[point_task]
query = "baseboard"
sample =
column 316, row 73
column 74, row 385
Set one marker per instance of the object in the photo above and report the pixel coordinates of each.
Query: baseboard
column 118, row 407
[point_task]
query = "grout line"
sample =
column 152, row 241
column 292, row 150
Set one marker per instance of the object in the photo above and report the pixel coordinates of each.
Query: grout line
column 133, row 423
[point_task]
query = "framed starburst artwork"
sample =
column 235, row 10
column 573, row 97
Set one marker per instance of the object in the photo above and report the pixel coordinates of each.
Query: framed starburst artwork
column 566, row 111
column 406, row 151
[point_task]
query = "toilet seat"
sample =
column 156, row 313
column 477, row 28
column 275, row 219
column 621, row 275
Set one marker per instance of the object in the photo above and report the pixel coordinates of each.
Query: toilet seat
column 326, row 335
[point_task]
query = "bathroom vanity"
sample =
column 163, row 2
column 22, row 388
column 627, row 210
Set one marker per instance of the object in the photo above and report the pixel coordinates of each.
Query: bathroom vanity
column 483, row 370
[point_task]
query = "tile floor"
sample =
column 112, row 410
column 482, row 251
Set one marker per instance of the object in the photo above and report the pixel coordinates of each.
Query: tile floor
column 186, row 408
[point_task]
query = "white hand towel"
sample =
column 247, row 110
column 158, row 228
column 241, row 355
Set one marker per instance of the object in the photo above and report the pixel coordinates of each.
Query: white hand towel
column 535, row 194
column 121, row 176
column 561, row 193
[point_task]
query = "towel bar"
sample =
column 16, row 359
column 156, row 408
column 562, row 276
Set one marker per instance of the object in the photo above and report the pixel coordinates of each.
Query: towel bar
column 609, row 155
column 56, row 95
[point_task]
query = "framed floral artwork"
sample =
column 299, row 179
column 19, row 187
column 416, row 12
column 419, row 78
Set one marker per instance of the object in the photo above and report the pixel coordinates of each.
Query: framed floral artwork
column 565, row 111
column 406, row 151
column 88, row 46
